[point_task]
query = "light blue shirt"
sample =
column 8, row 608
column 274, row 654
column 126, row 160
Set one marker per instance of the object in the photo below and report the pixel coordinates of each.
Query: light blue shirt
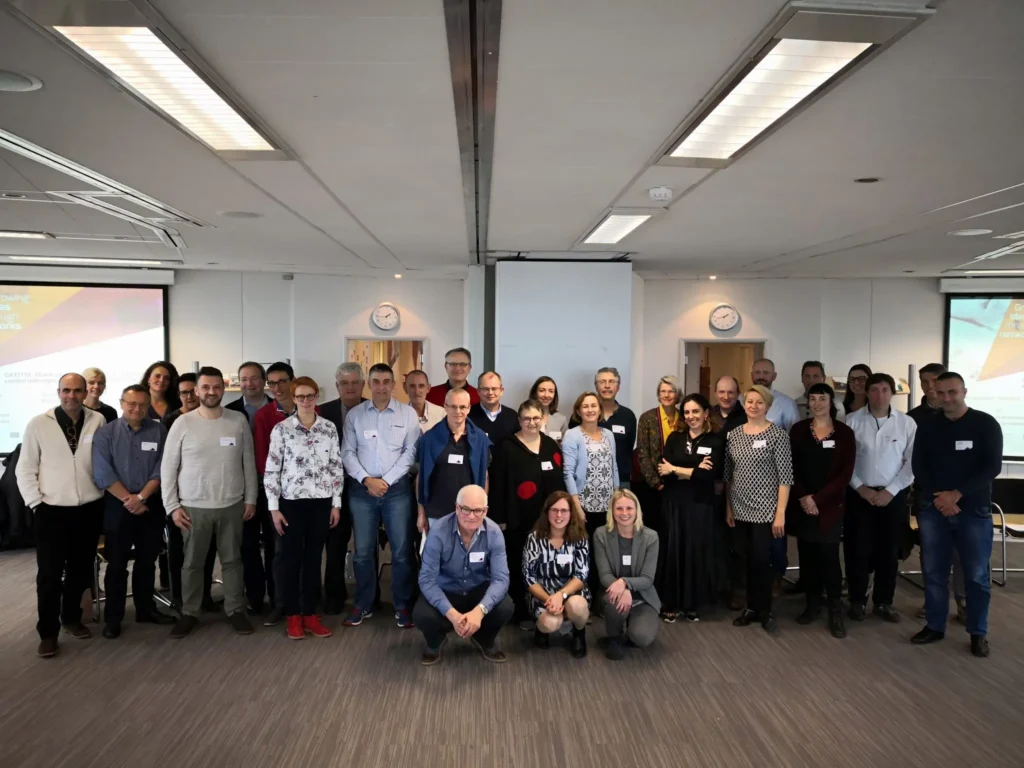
column 783, row 412
column 449, row 567
column 380, row 443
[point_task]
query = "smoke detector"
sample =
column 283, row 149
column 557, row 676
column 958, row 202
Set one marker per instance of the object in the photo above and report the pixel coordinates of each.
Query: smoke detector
column 660, row 194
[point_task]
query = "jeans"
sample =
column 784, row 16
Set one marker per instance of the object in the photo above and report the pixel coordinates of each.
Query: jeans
column 970, row 533
column 394, row 508
column 434, row 626
column 300, row 553
column 66, row 539
column 125, row 532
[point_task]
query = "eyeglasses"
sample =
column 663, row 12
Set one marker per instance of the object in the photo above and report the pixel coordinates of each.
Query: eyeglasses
column 278, row 383
column 458, row 408
column 457, row 365
column 470, row 512
column 857, row 378
column 531, row 419
column 305, row 398
column 488, row 390
column 187, row 393
column 125, row 405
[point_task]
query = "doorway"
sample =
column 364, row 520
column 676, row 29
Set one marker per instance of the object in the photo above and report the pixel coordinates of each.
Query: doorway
column 705, row 362
column 402, row 355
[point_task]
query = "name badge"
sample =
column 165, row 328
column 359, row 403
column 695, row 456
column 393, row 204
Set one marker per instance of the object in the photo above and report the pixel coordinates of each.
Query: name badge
column 149, row 446
column 369, row 434
column 760, row 443
column 477, row 557
column 546, row 466
column 828, row 443
column 703, row 450
column 964, row 445
column 555, row 435
column 627, row 559
column 618, row 429
column 454, row 458
column 86, row 439
column 563, row 558
column 227, row 442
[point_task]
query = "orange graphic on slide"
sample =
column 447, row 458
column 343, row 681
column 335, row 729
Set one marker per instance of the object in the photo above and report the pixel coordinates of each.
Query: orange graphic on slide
column 1006, row 355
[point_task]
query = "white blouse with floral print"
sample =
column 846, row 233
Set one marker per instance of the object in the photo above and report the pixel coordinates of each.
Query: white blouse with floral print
column 304, row 463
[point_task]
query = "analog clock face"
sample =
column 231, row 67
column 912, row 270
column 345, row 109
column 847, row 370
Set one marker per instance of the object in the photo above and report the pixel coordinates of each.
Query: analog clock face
column 724, row 317
column 385, row 317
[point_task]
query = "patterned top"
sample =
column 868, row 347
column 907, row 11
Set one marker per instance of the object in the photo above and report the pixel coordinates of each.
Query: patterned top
column 303, row 463
column 596, row 495
column 755, row 467
column 553, row 568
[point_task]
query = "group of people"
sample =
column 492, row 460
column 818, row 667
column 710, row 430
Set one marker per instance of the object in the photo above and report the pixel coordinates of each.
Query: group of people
column 495, row 515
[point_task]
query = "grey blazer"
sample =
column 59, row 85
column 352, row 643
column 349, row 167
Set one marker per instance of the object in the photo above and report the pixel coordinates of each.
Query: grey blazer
column 608, row 560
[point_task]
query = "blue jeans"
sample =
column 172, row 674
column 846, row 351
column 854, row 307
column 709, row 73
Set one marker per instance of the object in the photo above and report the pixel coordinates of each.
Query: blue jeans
column 780, row 556
column 394, row 508
column 970, row 532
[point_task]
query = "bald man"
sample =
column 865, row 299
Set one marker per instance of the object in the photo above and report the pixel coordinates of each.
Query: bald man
column 54, row 476
column 727, row 413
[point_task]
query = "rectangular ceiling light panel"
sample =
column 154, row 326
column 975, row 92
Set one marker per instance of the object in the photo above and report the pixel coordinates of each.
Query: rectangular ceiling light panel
column 24, row 235
column 78, row 260
column 141, row 60
column 615, row 227
column 790, row 72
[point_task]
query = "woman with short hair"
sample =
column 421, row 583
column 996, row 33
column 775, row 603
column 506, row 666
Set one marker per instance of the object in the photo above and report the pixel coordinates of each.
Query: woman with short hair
column 161, row 379
column 303, row 480
column 545, row 392
column 758, row 476
column 556, row 565
column 652, row 432
column 626, row 558
column 856, row 390
column 95, row 386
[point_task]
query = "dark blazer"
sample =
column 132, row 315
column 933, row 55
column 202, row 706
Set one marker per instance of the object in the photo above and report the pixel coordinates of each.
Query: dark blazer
column 645, row 562
column 331, row 410
column 831, row 497
column 239, row 405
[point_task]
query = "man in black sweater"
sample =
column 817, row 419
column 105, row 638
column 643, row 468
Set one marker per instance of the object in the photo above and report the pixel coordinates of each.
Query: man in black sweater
column 497, row 420
column 930, row 405
column 957, row 456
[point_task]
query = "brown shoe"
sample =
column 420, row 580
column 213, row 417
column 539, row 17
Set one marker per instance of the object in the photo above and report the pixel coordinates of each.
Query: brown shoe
column 77, row 630
column 491, row 654
column 48, row 648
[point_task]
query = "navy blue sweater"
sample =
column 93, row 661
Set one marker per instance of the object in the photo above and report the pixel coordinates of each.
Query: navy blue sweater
column 965, row 455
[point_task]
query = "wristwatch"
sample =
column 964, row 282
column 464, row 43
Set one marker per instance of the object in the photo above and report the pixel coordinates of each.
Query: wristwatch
column 565, row 596
column 483, row 609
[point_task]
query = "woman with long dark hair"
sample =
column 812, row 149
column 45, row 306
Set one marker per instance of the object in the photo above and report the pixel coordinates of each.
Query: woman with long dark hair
column 693, row 462
column 856, row 392
column 161, row 379
column 554, row 424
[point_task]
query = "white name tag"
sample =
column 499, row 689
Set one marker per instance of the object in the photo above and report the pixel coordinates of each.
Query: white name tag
column 627, row 559
column 555, row 435
column 477, row 557
column 227, row 442
column 563, row 558
column 618, row 429
column 86, row 439
column 546, row 466
column 369, row 433
column 149, row 446
column 828, row 443
column 964, row 445
column 454, row 458
column 760, row 443
column 703, row 450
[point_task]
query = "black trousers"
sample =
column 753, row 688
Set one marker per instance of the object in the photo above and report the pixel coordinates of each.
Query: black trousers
column 338, row 538
column 515, row 542
column 592, row 522
column 66, row 539
column 753, row 542
column 300, row 553
column 434, row 626
column 819, row 569
column 124, row 533
column 873, row 536
column 257, row 563
column 176, row 558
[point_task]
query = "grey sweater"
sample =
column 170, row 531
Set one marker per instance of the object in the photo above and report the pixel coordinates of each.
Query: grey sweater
column 208, row 463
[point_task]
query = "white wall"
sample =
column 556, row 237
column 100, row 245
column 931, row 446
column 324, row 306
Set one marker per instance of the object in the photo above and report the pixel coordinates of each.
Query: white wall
column 564, row 320
column 887, row 324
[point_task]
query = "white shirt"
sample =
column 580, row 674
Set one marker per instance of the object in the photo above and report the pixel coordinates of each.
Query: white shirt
column 432, row 414
column 805, row 411
column 884, row 450
column 783, row 412
column 492, row 416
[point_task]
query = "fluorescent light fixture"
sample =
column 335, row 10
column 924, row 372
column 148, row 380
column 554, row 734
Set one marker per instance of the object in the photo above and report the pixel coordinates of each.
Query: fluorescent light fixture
column 615, row 227
column 994, row 272
column 969, row 232
column 1010, row 236
column 790, row 72
column 76, row 260
column 24, row 235
column 154, row 72
column 398, row 276
column 712, row 277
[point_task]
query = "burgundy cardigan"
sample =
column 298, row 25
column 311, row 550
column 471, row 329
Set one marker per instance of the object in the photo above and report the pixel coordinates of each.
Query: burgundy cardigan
column 831, row 499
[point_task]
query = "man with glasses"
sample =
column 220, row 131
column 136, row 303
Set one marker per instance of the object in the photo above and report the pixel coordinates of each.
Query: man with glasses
column 54, row 475
column 457, row 365
column 453, row 454
column 813, row 372
column 126, row 457
column 464, row 580
column 253, row 380
column 617, row 418
column 497, row 420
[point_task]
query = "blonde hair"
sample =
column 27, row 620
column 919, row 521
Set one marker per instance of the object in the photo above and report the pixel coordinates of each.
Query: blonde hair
column 673, row 382
column 625, row 493
column 92, row 373
column 764, row 392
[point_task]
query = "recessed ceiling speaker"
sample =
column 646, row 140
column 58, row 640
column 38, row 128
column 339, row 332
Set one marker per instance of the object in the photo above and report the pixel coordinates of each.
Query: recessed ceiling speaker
column 12, row 82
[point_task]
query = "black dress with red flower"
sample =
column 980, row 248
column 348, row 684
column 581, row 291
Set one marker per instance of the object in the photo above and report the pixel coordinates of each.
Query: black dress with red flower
column 520, row 481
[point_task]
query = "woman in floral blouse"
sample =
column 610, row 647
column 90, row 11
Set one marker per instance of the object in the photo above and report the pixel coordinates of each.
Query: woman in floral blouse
column 303, row 480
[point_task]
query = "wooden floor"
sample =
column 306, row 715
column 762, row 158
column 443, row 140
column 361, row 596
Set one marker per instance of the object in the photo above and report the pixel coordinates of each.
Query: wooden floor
column 704, row 695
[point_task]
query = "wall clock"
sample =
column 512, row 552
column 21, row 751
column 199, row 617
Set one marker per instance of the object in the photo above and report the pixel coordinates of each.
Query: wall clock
column 385, row 316
column 724, row 317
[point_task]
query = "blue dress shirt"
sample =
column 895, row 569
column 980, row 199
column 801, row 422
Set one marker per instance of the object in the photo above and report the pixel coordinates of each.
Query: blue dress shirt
column 449, row 567
column 122, row 453
column 380, row 443
column 783, row 412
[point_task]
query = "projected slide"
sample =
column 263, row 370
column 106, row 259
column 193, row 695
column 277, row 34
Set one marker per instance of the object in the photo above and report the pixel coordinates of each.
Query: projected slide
column 49, row 330
column 986, row 347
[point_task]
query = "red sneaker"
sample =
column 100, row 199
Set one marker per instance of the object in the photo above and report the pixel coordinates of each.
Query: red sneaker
column 312, row 625
column 295, row 628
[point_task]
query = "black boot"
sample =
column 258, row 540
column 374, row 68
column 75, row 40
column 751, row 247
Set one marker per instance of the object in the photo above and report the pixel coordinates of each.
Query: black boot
column 616, row 649
column 810, row 614
column 540, row 640
column 578, row 648
column 835, row 619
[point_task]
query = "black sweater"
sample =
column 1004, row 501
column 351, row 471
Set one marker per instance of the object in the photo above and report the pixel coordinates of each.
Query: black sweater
column 506, row 425
column 940, row 466
column 521, row 480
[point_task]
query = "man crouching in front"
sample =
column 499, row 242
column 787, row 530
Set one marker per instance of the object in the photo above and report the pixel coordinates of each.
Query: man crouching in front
column 464, row 580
